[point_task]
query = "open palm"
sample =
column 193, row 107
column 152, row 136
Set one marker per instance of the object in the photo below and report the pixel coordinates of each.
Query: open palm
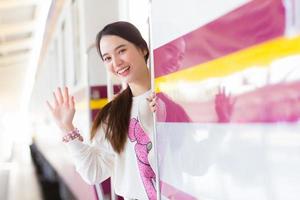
column 224, row 105
column 63, row 109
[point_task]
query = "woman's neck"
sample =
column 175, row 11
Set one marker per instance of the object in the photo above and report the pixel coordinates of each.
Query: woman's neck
column 141, row 86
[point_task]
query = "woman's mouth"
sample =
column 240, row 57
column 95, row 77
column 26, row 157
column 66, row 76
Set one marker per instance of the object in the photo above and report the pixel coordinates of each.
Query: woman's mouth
column 124, row 71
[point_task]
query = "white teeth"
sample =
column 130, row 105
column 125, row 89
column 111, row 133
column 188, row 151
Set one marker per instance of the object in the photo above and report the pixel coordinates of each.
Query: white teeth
column 123, row 70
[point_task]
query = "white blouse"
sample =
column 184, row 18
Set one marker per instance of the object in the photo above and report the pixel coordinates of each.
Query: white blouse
column 131, row 170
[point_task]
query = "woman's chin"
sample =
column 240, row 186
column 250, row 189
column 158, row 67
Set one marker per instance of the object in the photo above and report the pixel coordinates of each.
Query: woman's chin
column 125, row 79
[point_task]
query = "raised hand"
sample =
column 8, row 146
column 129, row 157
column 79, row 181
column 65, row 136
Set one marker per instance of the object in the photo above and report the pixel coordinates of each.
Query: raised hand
column 223, row 105
column 63, row 109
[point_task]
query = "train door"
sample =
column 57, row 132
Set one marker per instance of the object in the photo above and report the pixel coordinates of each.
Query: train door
column 227, row 78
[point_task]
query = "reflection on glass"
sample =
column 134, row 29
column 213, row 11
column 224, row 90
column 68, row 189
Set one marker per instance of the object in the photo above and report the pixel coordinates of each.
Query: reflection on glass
column 169, row 58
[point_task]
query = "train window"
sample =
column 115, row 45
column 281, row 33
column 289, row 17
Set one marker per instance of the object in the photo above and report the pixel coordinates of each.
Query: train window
column 292, row 17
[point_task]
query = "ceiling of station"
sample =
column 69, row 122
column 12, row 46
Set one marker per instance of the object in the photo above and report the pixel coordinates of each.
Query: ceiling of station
column 20, row 28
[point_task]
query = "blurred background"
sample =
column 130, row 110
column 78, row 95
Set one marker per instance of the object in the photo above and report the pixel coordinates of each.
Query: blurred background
column 45, row 44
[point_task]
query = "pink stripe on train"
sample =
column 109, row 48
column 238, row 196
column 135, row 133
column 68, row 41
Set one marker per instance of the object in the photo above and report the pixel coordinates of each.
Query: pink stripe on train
column 251, row 24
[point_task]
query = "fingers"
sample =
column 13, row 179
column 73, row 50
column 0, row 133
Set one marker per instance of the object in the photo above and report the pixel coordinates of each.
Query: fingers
column 66, row 95
column 50, row 106
column 62, row 97
column 153, row 106
column 59, row 95
column 72, row 102
column 58, row 99
column 152, row 102
column 151, row 97
column 55, row 99
column 221, row 90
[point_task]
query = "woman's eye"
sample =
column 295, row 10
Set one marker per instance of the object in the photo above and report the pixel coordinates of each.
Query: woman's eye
column 171, row 50
column 122, row 51
column 107, row 59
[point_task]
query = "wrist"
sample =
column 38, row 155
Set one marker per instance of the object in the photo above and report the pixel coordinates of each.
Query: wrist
column 72, row 135
column 68, row 128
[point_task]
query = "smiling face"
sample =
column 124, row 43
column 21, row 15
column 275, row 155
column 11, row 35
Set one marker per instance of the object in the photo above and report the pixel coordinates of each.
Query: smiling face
column 173, row 55
column 123, row 58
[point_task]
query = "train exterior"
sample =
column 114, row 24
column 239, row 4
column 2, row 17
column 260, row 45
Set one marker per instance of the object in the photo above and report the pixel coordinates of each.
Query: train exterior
column 227, row 78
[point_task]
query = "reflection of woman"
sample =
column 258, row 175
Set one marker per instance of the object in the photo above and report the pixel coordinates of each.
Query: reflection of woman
column 273, row 103
column 173, row 112
column 122, row 131
column 168, row 59
column 223, row 106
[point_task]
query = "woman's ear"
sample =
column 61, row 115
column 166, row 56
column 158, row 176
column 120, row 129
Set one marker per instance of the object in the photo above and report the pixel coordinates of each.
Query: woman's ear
column 145, row 52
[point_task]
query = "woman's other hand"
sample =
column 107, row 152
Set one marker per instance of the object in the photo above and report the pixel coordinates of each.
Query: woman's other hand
column 152, row 102
column 63, row 109
column 158, row 107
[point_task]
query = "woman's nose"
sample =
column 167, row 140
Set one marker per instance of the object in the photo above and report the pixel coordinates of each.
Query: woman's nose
column 117, row 61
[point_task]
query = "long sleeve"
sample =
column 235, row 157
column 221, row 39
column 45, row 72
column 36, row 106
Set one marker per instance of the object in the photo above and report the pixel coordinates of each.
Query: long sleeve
column 95, row 161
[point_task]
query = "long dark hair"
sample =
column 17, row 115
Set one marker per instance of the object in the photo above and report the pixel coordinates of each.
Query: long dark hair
column 115, row 115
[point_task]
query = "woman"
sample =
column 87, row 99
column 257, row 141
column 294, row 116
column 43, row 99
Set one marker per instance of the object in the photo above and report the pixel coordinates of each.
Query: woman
column 122, row 132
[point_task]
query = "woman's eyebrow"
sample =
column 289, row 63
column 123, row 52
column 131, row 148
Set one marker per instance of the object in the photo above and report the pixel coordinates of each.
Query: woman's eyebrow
column 118, row 47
